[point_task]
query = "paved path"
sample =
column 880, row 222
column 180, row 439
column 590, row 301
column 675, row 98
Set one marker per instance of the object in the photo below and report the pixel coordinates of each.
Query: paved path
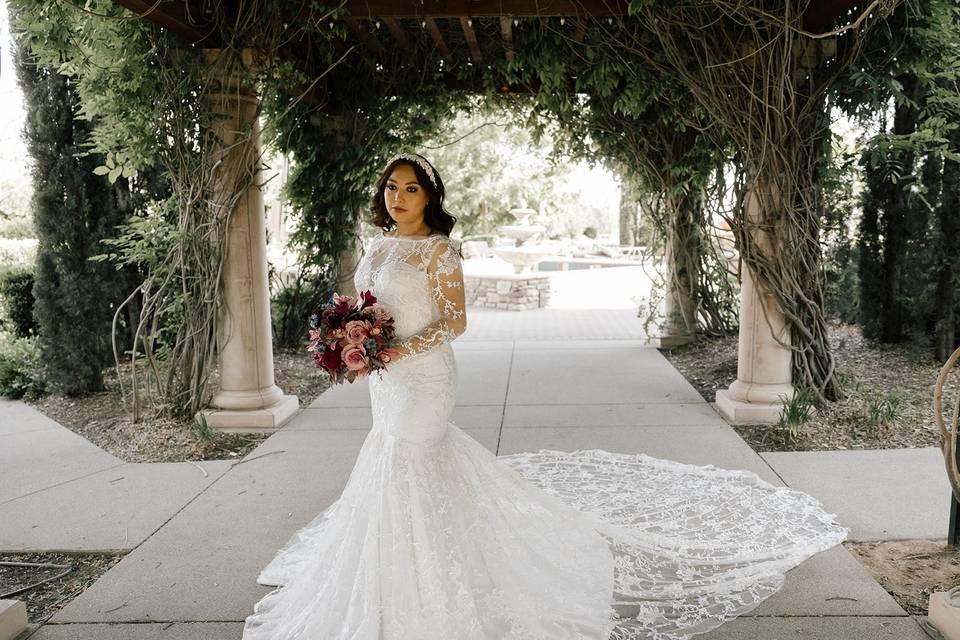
column 197, row 543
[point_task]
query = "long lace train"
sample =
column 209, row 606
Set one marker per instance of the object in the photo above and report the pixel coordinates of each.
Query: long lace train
column 451, row 541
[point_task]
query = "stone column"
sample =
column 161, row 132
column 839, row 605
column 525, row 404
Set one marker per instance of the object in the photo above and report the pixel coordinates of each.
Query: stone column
column 764, row 372
column 763, row 365
column 248, row 400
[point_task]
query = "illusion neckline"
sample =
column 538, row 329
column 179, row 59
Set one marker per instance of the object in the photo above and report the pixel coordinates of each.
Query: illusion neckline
column 384, row 235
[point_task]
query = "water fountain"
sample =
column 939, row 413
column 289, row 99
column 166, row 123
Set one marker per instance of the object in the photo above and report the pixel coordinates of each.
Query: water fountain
column 523, row 257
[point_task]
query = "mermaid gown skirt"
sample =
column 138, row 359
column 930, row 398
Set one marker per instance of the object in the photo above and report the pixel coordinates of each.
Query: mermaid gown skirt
column 436, row 538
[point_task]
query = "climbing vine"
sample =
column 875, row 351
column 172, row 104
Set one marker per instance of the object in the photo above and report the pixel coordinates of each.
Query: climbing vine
column 674, row 94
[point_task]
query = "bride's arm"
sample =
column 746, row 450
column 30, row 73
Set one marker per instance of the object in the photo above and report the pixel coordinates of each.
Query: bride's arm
column 445, row 275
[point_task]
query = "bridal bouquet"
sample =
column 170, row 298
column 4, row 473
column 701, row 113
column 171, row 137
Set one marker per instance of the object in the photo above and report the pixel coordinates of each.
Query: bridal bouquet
column 351, row 338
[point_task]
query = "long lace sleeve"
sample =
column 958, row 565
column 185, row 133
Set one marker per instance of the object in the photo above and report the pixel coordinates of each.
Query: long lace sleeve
column 445, row 275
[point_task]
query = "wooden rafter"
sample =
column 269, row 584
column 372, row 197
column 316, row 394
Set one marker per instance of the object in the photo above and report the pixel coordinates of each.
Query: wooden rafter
column 176, row 18
column 366, row 36
column 394, row 25
column 580, row 31
column 506, row 32
column 484, row 8
column 467, row 25
column 438, row 38
column 184, row 18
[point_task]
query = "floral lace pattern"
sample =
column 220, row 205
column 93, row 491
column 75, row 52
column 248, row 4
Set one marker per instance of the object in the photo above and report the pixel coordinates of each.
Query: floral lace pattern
column 436, row 538
column 393, row 265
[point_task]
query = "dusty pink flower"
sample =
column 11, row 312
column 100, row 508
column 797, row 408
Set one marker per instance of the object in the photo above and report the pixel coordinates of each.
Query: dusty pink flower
column 355, row 331
column 354, row 356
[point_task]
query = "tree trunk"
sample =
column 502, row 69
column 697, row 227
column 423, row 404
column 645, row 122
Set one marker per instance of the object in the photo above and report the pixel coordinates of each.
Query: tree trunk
column 948, row 217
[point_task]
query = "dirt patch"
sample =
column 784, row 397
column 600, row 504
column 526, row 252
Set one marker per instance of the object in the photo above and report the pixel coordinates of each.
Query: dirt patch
column 910, row 570
column 871, row 373
column 102, row 418
column 44, row 600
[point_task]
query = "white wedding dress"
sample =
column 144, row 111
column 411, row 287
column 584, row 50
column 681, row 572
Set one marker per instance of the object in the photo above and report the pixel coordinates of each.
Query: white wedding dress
column 436, row 538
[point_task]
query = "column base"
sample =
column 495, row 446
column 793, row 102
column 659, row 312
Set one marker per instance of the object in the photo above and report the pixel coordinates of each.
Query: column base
column 13, row 618
column 737, row 411
column 944, row 615
column 669, row 341
column 262, row 420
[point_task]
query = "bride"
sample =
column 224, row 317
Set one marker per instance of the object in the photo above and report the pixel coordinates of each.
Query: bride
column 436, row 538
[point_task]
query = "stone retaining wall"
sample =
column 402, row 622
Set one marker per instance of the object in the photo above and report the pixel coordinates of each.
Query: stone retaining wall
column 513, row 293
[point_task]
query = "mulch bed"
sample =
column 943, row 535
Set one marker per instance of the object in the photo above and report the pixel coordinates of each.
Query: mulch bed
column 44, row 600
column 869, row 371
column 910, row 570
column 103, row 419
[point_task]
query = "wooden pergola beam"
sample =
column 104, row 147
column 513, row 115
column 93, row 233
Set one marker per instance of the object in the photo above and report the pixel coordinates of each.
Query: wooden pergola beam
column 366, row 36
column 467, row 25
column 434, row 30
column 580, row 31
column 506, row 32
column 176, row 18
column 484, row 8
column 183, row 17
column 398, row 34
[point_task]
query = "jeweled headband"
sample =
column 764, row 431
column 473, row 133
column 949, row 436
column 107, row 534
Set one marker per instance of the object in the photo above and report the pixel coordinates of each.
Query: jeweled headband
column 420, row 160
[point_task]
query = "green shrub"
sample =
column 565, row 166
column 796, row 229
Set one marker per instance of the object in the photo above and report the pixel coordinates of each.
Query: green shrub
column 841, row 290
column 21, row 367
column 290, row 311
column 16, row 301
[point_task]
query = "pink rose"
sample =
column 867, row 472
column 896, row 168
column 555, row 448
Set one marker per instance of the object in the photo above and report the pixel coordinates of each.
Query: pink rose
column 355, row 331
column 354, row 356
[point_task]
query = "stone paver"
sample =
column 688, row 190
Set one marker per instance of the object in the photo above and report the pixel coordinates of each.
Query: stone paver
column 744, row 628
column 115, row 514
column 598, row 376
column 812, row 628
column 610, row 415
column 720, row 446
column 881, row 494
column 42, row 458
column 19, row 417
column 157, row 631
column 541, row 324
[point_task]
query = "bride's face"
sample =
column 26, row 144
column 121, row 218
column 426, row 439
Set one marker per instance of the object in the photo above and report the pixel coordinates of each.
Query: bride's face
column 404, row 197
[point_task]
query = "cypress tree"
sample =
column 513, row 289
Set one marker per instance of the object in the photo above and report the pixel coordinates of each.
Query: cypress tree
column 73, row 209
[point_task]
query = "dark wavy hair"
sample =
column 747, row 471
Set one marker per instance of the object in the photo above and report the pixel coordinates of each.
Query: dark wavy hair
column 434, row 215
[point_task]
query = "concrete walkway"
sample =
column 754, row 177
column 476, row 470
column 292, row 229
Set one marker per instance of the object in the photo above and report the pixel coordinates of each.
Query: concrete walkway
column 197, row 542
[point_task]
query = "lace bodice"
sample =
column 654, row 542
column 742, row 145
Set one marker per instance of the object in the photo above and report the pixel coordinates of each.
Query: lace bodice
column 419, row 281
